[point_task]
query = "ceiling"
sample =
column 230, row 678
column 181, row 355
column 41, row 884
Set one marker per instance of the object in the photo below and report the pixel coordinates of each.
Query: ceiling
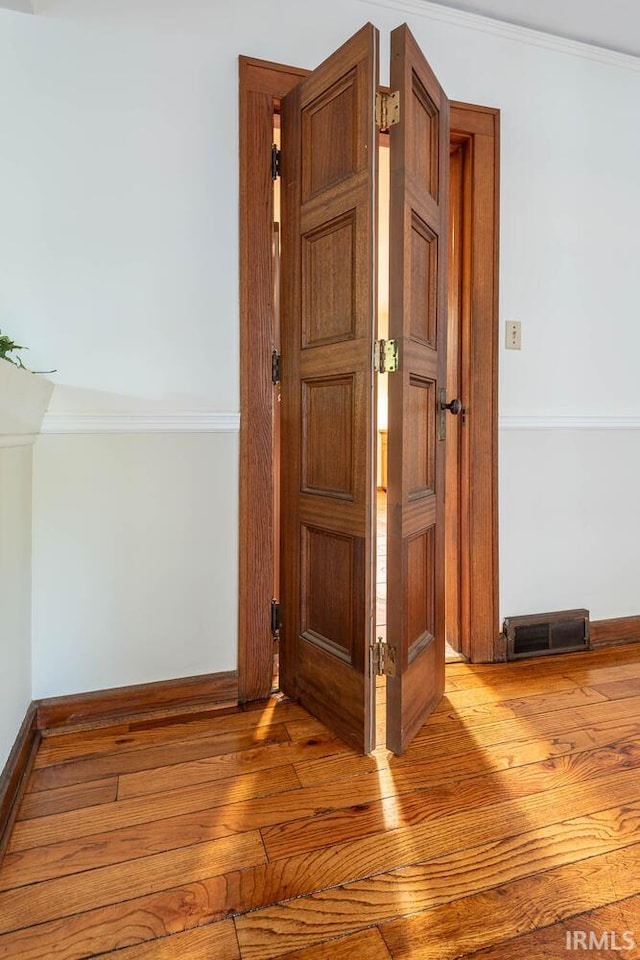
column 614, row 24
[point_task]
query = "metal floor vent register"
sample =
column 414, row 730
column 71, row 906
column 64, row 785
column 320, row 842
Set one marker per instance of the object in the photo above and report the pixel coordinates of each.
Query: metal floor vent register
column 543, row 633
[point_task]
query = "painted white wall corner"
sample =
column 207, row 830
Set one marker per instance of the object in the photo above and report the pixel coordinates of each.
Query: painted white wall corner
column 24, row 398
column 21, row 6
column 25, row 6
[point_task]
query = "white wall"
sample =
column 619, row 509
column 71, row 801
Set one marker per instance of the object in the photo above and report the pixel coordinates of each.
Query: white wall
column 15, row 592
column 570, row 526
column 119, row 265
column 134, row 574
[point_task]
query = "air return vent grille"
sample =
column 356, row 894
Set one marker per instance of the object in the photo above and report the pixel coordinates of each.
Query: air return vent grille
column 545, row 633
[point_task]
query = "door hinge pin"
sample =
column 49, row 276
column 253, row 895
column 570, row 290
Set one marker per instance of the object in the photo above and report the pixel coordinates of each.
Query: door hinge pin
column 276, row 156
column 386, row 358
column 276, row 622
column 387, row 110
column 383, row 658
column 276, row 366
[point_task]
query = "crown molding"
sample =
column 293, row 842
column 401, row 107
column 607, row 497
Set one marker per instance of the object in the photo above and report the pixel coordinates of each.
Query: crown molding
column 569, row 423
column 509, row 31
column 141, row 423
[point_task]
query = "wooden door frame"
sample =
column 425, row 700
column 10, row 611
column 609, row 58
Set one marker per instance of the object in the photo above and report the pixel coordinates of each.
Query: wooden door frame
column 262, row 85
column 475, row 130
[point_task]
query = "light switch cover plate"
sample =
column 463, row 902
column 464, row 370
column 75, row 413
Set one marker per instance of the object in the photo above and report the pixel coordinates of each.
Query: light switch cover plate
column 513, row 335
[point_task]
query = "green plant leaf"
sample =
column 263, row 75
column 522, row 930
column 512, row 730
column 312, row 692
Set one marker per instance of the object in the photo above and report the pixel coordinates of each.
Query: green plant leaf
column 7, row 346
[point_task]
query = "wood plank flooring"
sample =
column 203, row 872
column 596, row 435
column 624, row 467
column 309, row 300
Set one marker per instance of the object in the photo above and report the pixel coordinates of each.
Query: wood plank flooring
column 511, row 825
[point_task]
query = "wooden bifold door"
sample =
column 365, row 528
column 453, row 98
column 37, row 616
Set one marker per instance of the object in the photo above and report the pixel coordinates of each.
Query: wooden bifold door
column 330, row 126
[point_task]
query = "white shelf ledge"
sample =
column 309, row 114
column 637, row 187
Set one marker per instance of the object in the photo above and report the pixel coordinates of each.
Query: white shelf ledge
column 24, row 398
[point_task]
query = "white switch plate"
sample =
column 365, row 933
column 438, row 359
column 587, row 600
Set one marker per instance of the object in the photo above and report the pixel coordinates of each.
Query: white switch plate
column 513, row 335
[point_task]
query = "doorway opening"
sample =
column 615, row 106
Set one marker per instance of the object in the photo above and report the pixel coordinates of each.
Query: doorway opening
column 382, row 398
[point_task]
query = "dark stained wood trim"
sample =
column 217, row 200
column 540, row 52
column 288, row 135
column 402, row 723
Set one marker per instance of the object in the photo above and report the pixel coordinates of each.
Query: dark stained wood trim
column 262, row 85
column 16, row 772
column 604, row 633
column 163, row 696
column 479, row 127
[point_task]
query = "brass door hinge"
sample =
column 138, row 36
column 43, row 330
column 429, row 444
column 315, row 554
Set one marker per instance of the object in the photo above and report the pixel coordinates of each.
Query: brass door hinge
column 383, row 658
column 276, row 366
column 386, row 356
column 276, row 161
column 387, row 110
column 276, row 622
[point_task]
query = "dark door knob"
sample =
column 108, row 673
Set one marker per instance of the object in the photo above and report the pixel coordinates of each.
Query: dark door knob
column 455, row 406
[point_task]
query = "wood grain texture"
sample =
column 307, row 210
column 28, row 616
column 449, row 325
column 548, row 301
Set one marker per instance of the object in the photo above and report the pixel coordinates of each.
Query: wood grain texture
column 478, row 706
column 502, row 827
column 262, row 85
column 152, row 926
column 479, row 128
column 257, row 336
column 65, row 896
column 311, row 808
column 612, row 922
column 509, row 910
column 161, row 755
column 271, row 753
column 328, row 189
column 215, row 942
column 615, row 631
column 149, row 808
column 47, row 802
column 481, row 761
column 15, row 773
column 456, row 495
column 612, row 663
column 92, row 743
column 365, row 820
column 109, row 705
column 617, row 689
column 418, row 293
column 437, row 881
column 367, row 945
column 145, row 919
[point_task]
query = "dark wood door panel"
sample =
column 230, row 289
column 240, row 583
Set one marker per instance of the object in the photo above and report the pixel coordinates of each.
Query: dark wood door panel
column 332, row 605
column 419, row 147
column 328, row 455
column 329, row 191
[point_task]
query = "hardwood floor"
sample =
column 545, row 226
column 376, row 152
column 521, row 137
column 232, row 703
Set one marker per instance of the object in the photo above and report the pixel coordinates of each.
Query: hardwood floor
column 511, row 825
